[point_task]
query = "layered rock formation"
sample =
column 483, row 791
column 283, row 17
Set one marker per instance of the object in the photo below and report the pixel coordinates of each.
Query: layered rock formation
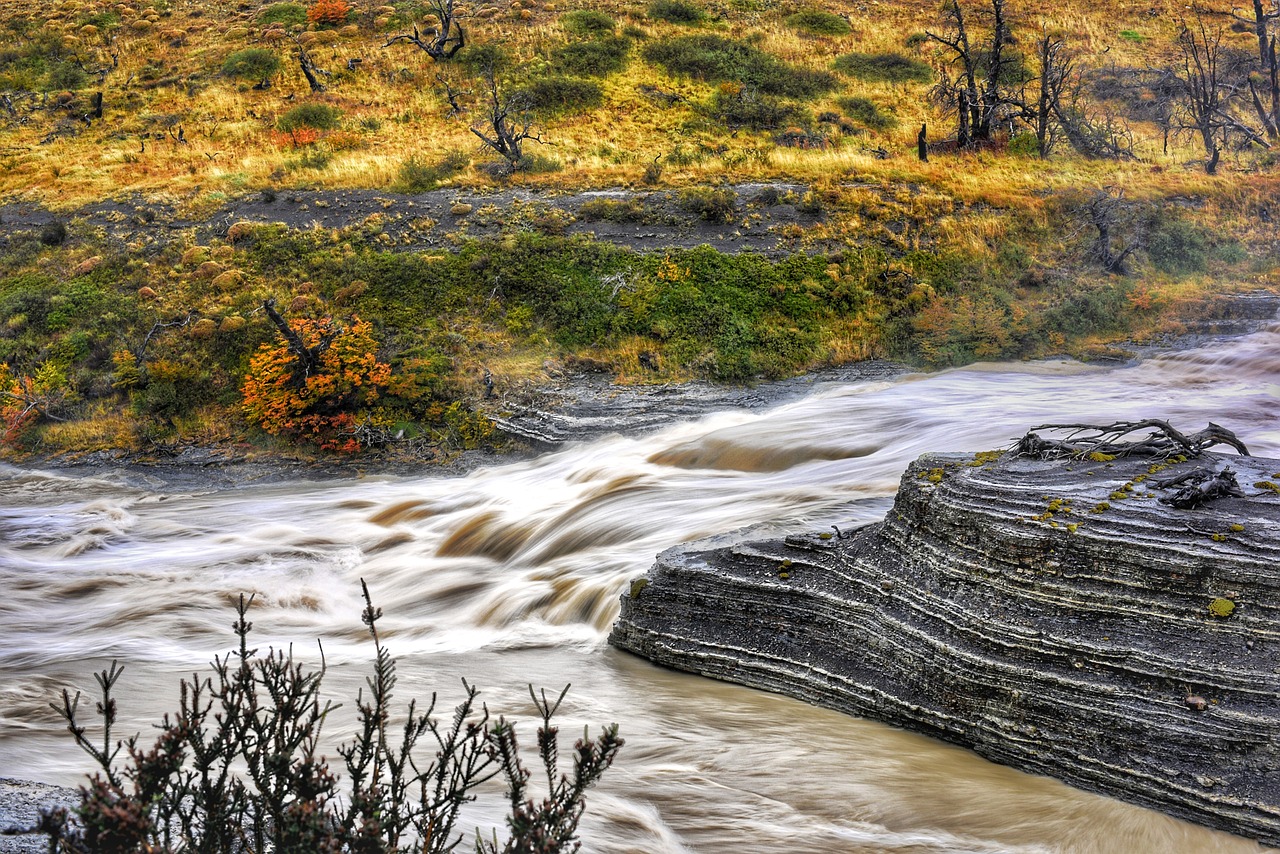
column 1052, row 615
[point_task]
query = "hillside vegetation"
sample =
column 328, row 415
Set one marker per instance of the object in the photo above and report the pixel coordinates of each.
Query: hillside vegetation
column 1084, row 173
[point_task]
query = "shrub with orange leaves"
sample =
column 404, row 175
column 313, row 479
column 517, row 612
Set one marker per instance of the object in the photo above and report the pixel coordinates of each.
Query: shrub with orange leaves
column 324, row 406
column 329, row 12
column 24, row 400
column 296, row 138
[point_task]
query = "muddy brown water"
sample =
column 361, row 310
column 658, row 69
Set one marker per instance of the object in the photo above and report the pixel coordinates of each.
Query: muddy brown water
column 512, row 574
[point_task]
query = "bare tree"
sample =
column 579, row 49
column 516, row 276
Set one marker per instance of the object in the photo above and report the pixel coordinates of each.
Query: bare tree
column 997, row 67
column 1056, row 66
column 1206, row 106
column 1119, row 232
column 507, row 122
column 977, row 84
column 1269, row 69
column 442, row 41
column 453, row 96
column 960, row 88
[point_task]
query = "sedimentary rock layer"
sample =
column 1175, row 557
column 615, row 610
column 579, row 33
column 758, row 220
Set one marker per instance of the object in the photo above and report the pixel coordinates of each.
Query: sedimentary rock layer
column 1051, row 615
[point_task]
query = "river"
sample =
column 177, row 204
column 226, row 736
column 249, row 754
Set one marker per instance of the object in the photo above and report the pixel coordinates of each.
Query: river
column 512, row 574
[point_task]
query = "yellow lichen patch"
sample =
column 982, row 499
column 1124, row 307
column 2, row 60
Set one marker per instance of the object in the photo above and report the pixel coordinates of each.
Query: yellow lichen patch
column 1222, row 608
column 1099, row 457
column 982, row 458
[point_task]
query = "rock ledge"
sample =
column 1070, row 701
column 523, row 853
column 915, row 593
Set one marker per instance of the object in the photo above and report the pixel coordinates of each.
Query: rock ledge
column 1051, row 615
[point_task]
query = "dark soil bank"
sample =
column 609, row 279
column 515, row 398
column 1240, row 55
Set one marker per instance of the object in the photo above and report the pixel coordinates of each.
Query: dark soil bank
column 745, row 217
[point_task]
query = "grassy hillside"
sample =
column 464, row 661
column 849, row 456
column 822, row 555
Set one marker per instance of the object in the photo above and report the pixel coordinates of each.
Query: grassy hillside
column 138, row 324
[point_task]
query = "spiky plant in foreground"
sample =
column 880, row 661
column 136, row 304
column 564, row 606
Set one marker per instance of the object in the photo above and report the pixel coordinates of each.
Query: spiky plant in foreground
column 237, row 768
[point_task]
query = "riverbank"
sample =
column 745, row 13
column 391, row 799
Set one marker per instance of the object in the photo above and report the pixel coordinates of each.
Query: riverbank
column 569, row 405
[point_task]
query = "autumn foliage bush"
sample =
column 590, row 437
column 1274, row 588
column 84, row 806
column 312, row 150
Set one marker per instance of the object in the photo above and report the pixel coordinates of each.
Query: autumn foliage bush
column 325, row 405
column 329, row 12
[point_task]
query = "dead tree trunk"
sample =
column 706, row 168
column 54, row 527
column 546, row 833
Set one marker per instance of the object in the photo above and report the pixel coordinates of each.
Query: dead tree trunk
column 996, row 62
column 963, row 89
column 1106, row 213
column 506, row 125
column 307, row 358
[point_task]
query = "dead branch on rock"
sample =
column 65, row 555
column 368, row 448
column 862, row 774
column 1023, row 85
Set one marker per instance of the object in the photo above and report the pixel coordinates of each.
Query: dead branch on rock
column 1205, row 486
column 1085, row 440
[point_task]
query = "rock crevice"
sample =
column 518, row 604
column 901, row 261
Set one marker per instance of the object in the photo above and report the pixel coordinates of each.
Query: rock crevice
column 1052, row 615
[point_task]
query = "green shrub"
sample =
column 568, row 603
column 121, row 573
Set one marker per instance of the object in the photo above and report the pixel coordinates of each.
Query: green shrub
column 1105, row 308
column 417, row 176
column 587, row 22
column 538, row 164
column 1024, row 144
column 884, row 68
column 253, row 63
column 595, row 58
column 676, row 12
column 740, row 106
column 718, row 59
column 289, row 14
column 66, row 76
column 53, row 233
column 818, row 22
column 102, row 20
column 312, row 157
column 614, row 210
column 1177, row 247
column 1230, row 251
column 317, row 116
column 557, row 94
column 710, row 204
column 479, row 59
column 865, row 112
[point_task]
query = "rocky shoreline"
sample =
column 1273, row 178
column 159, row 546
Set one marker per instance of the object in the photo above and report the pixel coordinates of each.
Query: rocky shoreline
column 20, row 805
column 569, row 408
column 1051, row 615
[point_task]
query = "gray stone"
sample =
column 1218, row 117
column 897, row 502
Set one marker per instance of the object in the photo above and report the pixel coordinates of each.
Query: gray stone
column 1047, row 614
column 20, row 804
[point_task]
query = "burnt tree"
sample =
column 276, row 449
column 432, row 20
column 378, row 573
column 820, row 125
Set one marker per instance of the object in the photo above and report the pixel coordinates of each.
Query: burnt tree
column 310, row 70
column 977, row 86
column 1119, row 233
column 442, row 41
column 1207, row 93
column 1268, row 75
column 507, row 124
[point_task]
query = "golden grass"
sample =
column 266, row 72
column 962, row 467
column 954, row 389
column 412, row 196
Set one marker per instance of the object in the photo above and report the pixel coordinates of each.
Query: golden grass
column 231, row 146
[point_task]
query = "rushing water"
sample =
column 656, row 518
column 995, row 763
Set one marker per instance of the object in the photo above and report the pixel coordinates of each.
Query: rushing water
column 512, row 575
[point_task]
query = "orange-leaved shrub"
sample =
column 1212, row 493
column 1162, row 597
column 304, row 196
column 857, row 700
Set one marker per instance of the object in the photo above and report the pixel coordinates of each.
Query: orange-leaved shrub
column 24, row 400
column 329, row 12
column 322, row 406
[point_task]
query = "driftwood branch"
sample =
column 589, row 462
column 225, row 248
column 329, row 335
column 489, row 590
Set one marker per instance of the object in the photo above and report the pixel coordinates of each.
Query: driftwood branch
column 1202, row 486
column 1083, row 440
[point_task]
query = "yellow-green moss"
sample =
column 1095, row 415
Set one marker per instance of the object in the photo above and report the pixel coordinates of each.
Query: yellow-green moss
column 1222, row 608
